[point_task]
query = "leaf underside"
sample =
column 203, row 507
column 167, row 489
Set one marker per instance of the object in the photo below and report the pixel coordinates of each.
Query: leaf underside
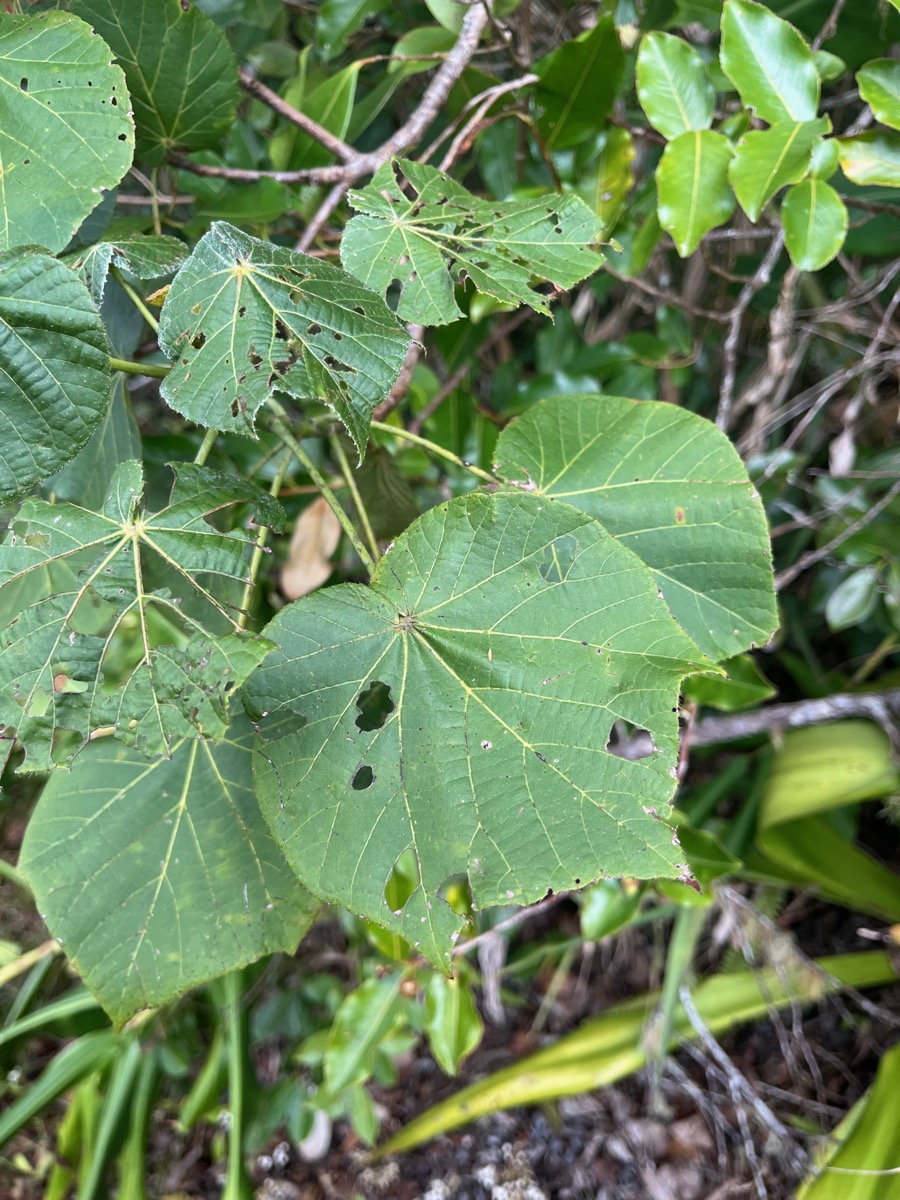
column 461, row 708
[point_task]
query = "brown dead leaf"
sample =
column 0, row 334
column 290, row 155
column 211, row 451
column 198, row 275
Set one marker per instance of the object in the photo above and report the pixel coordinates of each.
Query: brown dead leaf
column 315, row 539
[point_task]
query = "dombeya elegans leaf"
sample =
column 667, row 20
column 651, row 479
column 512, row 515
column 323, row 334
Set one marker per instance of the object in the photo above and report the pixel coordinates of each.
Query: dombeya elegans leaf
column 181, row 72
column 54, row 367
column 461, row 707
column 769, row 63
column 673, row 85
column 74, row 584
column 430, row 240
column 692, row 180
column 243, row 318
column 143, row 255
column 157, row 876
column 66, row 132
column 671, row 487
column 815, row 223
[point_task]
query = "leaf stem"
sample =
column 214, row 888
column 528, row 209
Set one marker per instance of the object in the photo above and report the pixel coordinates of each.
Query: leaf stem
column 434, row 448
column 134, row 298
column 281, row 428
column 27, row 960
column 137, row 368
column 347, row 470
column 11, row 875
column 236, row 1184
column 260, row 545
column 205, row 446
column 154, row 202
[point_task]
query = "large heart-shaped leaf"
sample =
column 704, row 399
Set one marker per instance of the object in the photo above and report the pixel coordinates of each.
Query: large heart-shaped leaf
column 769, row 63
column 244, row 318
column 66, row 132
column 157, row 876
column 462, row 707
column 670, row 486
column 424, row 232
column 180, row 69
column 54, row 368
column 87, row 642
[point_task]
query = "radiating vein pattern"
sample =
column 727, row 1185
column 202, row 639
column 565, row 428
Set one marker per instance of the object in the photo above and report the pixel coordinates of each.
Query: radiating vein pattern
column 507, row 635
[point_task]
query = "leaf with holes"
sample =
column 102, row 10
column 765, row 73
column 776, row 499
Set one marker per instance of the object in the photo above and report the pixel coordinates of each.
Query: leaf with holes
column 144, row 256
column 244, row 317
column 462, row 707
column 180, row 70
column 123, row 855
column 670, row 486
column 424, row 233
column 66, row 132
column 54, row 368
column 85, row 640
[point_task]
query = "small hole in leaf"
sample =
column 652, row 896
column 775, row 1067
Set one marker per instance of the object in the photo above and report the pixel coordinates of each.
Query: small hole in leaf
column 281, row 331
column 122, row 137
column 375, row 706
column 402, row 883
column 242, row 311
column 358, row 308
column 313, row 329
column 363, row 779
column 23, row 84
column 559, row 558
column 198, row 341
column 392, row 295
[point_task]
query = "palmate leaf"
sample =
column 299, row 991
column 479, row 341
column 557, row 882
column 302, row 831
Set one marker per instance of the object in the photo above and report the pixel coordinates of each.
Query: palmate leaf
column 244, row 318
column 66, row 131
column 145, row 256
column 670, row 486
column 157, row 876
column 180, row 69
column 461, row 708
column 54, row 368
column 86, row 643
column 424, row 232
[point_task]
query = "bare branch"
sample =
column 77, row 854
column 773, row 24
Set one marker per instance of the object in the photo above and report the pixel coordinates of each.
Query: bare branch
column 292, row 115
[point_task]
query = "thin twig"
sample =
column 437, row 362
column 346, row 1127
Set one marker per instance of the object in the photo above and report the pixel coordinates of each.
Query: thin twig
column 403, row 380
column 333, row 144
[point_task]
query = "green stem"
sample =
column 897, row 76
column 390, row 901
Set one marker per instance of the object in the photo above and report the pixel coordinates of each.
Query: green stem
column 260, row 546
column 134, row 298
column 281, row 428
column 236, row 1185
column 136, row 368
column 27, row 960
column 347, row 471
column 154, row 202
column 434, row 448
column 205, row 446
column 9, row 872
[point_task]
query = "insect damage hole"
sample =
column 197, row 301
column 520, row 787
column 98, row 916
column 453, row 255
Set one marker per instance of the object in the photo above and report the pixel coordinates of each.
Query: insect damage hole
column 375, row 706
column 363, row 778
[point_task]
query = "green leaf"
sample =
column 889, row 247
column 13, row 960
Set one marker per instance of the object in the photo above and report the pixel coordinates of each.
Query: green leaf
column 86, row 642
column 330, row 104
column 673, row 85
column 828, row 66
column 244, row 317
column 448, row 12
column 442, row 234
column 180, row 70
column 606, row 193
column 692, row 180
column 871, row 158
column 853, row 600
column 338, row 20
column 452, row 1024
column 66, row 133
column 765, row 160
column 365, row 1018
column 578, row 84
column 54, row 363
column 671, row 487
column 426, row 39
column 86, row 479
column 461, row 707
column 815, row 223
column 769, row 63
column 158, row 876
column 744, row 687
column 824, row 159
column 144, row 256
column 879, row 86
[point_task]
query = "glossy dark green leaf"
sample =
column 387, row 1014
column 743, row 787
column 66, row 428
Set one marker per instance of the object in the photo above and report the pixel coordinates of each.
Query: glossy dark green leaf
column 74, row 583
column 461, row 708
column 338, row 20
column 244, row 318
column 815, row 223
column 158, row 876
column 766, row 160
column 66, row 133
column 430, row 239
column 673, row 85
column 879, row 86
column 694, row 193
column 181, row 72
column 54, row 367
column 769, row 63
column 578, row 84
column 671, row 487
column 871, row 158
